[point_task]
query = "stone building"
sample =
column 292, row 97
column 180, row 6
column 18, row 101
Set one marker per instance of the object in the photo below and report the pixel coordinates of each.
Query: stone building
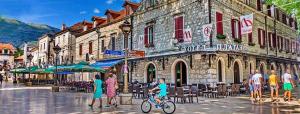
column 7, row 51
column 65, row 39
column 44, row 50
column 173, row 35
column 105, row 35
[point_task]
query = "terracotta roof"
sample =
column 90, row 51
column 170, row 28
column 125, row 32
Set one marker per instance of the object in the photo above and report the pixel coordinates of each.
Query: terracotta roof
column 77, row 28
column 6, row 46
column 133, row 5
column 99, row 20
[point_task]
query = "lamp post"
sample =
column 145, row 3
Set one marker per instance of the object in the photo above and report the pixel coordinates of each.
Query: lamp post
column 56, row 49
column 126, row 29
column 15, row 75
column 29, row 57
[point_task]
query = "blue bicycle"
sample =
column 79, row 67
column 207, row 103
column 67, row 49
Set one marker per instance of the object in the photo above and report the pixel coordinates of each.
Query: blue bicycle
column 168, row 106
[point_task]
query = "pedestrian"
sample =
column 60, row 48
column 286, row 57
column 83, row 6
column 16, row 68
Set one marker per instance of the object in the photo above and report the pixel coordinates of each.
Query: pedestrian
column 1, row 78
column 97, row 90
column 111, row 89
column 250, row 84
column 273, row 81
column 257, row 81
column 287, row 85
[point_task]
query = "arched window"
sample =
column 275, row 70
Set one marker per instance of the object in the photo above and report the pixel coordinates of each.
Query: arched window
column 151, row 73
column 220, row 71
column 236, row 70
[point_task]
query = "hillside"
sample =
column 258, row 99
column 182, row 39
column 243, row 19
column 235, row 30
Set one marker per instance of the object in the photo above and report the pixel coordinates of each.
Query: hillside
column 17, row 32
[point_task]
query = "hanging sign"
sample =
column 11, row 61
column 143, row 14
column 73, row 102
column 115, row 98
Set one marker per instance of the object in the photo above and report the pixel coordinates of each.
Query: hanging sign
column 112, row 52
column 136, row 53
column 206, row 31
column 246, row 24
column 187, row 36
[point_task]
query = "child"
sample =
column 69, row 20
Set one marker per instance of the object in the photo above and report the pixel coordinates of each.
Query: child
column 163, row 90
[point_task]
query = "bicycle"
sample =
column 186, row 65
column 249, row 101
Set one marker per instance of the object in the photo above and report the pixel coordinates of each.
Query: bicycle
column 168, row 106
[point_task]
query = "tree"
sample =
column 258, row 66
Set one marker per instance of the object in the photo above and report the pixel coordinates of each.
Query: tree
column 292, row 7
column 18, row 52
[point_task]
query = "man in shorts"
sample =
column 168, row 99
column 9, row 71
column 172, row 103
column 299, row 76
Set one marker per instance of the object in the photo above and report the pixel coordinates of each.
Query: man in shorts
column 287, row 85
column 250, row 83
column 273, row 81
column 257, row 81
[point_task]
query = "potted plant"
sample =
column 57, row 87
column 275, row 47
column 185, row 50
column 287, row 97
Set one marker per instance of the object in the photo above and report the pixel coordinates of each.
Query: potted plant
column 238, row 40
column 251, row 44
column 221, row 36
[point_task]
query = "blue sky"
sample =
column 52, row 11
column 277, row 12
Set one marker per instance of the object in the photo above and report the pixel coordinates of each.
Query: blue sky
column 56, row 12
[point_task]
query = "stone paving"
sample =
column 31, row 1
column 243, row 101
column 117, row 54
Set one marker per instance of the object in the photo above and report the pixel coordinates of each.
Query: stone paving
column 40, row 100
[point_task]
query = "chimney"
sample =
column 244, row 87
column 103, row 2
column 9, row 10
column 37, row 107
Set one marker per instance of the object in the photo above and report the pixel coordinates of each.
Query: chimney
column 63, row 27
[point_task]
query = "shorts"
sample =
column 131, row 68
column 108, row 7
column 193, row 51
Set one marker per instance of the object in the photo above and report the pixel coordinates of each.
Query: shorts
column 287, row 87
column 257, row 87
column 273, row 87
column 251, row 88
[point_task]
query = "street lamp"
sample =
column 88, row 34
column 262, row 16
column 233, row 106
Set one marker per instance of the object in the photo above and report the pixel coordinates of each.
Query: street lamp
column 56, row 49
column 15, row 75
column 29, row 57
column 126, row 29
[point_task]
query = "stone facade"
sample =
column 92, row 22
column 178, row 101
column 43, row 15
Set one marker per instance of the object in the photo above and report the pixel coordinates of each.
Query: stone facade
column 206, row 66
column 44, row 49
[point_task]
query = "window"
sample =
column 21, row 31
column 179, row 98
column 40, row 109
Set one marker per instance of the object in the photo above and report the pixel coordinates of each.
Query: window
column 102, row 46
column 44, row 46
column 5, row 51
column 151, row 2
column 113, row 43
column 284, row 19
column 250, row 38
column 261, row 37
column 219, row 23
column 90, row 47
column 149, row 36
column 80, row 49
column 151, row 73
column 236, row 29
column 248, row 2
column 179, row 28
column 270, row 38
column 259, row 5
column 279, row 43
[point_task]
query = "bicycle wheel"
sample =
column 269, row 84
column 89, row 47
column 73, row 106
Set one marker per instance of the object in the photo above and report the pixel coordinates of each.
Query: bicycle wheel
column 146, row 106
column 169, row 107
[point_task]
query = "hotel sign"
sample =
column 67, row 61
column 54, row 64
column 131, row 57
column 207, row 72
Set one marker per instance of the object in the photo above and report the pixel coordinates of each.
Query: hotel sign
column 218, row 47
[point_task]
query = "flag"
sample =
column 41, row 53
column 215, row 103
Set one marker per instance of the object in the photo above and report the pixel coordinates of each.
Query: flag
column 246, row 23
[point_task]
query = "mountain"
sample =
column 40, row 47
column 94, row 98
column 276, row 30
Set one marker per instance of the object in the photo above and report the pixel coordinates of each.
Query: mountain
column 17, row 32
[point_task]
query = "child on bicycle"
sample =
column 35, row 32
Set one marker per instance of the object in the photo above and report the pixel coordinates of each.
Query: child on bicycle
column 163, row 90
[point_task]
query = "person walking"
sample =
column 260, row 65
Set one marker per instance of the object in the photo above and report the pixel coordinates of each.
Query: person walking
column 251, row 85
column 97, row 90
column 287, row 85
column 111, row 89
column 273, row 81
column 1, row 78
column 257, row 81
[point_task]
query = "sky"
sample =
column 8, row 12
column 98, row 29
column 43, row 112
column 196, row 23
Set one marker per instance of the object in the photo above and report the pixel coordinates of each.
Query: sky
column 57, row 12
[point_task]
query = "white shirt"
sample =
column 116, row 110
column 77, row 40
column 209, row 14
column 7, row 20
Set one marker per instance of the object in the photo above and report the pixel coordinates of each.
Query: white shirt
column 256, row 78
column 287, row 77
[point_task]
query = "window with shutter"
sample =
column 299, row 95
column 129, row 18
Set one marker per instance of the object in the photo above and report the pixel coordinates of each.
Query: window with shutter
column 219, row 23
column 146, row 37
column 179, row 28
column 270, row 34
column 274, row 40
column 259, row 36
column 277, row 14
column 263, row 38
column 150, row 36
column 282, row 43
column 284, row 18
column 80, row 49
column 90, row 47
column 291, row 21
column 102, row 46
column 113, row 42
column 250, row 39
column 259, row 5
column 269, row 10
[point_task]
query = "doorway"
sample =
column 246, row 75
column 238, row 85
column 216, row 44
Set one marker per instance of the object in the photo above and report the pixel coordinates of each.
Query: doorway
column 180, row 74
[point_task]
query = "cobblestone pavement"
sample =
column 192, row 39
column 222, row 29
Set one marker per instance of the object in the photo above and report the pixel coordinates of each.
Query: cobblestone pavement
column 40, row 100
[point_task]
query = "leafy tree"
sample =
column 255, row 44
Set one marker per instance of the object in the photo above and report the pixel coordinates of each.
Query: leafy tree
column 18, row 53
column 292, row 7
